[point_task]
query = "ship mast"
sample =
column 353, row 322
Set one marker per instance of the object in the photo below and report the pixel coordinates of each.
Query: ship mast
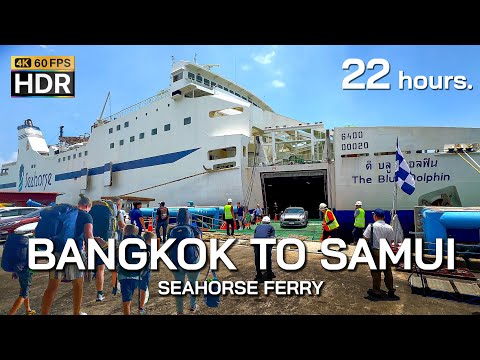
column 99, row 120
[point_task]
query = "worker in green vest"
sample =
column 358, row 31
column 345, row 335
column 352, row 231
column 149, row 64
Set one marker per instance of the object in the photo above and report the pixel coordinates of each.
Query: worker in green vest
column 229, row 216
column 359, row 223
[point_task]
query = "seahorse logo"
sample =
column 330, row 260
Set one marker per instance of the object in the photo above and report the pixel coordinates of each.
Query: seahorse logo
column 20, row 178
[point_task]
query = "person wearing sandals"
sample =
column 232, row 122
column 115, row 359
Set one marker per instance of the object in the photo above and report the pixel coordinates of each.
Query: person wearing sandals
column 25, row 280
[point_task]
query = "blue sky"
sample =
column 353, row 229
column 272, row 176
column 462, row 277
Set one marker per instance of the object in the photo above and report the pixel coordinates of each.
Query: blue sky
column 302, row 82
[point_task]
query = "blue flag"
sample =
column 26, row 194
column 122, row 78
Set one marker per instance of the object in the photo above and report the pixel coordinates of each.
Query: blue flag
column 403, row 176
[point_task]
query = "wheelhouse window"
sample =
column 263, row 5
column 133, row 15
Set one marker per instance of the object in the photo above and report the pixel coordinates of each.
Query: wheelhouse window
column 191, row 75
column 206, row 82
column 166, row 127
column 178, row 76
column 199, row 78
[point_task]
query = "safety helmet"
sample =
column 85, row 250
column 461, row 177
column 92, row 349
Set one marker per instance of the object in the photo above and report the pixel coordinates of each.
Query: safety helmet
column 266, row 219
column 323, row 206
column 229, row 200
column 358, row 203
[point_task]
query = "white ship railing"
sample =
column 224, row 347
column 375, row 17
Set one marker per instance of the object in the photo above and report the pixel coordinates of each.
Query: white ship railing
column 161, row 95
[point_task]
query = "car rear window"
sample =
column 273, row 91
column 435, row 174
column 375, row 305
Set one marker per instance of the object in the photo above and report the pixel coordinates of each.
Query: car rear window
column 294, row 211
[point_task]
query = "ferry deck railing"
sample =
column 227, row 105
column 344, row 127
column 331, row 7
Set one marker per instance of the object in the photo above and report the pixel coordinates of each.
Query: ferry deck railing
column 161, row 95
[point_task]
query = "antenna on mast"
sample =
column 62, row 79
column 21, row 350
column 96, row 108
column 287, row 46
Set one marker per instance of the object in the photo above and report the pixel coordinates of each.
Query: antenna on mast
column 173, row 59
column 99, row 120
column 195, row 58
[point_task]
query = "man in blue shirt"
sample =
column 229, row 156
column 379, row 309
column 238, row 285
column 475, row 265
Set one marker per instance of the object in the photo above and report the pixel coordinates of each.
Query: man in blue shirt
column 240, row 216
column 136, row 217
column 263, row 231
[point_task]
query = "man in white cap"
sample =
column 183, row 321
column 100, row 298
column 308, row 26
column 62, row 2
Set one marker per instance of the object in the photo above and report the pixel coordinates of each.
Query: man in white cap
column 359, row 223
column 228, row 216
column 264, row 231
column 329, row 224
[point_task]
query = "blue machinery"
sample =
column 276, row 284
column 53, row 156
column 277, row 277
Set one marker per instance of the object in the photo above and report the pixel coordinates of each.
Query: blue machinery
column 461, row 224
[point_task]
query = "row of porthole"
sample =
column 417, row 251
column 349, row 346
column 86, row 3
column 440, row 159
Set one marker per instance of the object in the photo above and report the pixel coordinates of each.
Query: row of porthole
column 74, row 156
column 141, row 136
column 186, row 121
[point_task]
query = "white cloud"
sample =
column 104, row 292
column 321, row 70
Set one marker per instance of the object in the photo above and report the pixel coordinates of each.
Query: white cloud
column 264, row 59
column 279, row 72
column 278, row 84
column 11, row 158
column 43, row 46
column 246, row 67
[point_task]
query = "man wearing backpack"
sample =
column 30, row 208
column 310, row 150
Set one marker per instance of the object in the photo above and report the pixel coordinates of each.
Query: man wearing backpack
column 121, row 226
column 162, row 219
column 71, row 272
column 129, row 279
column 184, row 230
column 264, row 231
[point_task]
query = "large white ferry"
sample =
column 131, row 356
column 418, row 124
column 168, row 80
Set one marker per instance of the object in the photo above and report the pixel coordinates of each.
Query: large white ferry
column 206, row 139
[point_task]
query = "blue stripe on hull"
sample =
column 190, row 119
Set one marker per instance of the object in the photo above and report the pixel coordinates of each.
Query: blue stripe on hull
column 9, row 185
column 152, row 161
column 71, row 175
column 127, row 165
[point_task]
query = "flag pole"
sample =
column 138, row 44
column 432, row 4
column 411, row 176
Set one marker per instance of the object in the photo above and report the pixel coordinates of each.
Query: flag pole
column 394, row 210
column 394, row 199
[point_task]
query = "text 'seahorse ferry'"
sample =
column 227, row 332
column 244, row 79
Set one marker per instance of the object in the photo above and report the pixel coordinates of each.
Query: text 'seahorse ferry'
column 206, row 139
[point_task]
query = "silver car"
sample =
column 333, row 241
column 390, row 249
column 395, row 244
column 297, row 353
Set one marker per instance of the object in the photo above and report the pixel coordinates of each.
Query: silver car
column 295, row 217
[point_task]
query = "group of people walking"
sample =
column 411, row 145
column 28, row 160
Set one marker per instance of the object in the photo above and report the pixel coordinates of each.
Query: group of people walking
column 128, row 280
column 375, row 231
column 131, row 280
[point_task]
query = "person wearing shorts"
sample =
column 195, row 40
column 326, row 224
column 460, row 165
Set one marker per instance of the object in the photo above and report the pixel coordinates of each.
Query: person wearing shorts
column 149, row 236
column 25, row 280
column 71, row 272
column 129, row 279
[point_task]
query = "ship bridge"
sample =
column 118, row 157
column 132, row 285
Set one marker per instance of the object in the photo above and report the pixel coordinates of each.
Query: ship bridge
column 192, row 80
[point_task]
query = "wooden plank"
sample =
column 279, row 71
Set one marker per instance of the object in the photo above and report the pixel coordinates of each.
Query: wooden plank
column 467, row 288
column 439, row 285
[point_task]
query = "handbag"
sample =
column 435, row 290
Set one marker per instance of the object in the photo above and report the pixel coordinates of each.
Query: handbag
column 212, row 300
